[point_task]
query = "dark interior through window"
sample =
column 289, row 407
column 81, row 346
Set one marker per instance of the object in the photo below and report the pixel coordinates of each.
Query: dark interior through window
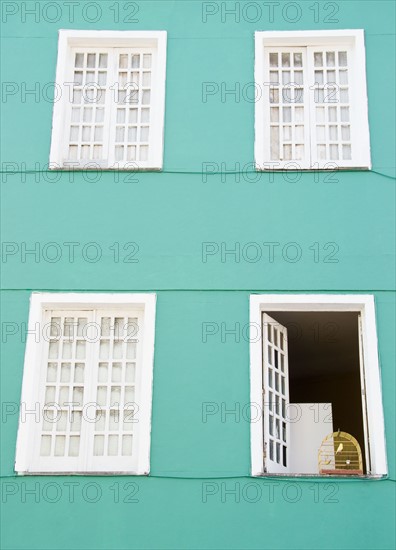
column 324, row 365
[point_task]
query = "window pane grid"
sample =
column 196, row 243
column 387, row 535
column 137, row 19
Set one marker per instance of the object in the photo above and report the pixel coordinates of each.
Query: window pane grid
column 134, row 71
column 287, row 111
column 64, row 387
column 52, row 442
column 110, row 113
column 116, row 387
column 90, row 89
column 308, row 103
column 332, row 105
column 276, row 385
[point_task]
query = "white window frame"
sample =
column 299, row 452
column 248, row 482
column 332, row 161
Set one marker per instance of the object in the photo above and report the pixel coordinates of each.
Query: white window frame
column 359, row 104
column 362, row 304
column 69, row 39
column 40, row 303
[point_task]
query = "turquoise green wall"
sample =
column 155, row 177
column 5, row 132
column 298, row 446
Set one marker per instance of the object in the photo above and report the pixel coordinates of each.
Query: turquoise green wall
column 170, row 216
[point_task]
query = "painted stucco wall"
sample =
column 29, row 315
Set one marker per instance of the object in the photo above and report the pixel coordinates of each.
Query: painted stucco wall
column 169, row 216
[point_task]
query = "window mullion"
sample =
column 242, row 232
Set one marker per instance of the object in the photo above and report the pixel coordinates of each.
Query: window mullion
column 111, row 107
column 88, row 425
column 309, row 86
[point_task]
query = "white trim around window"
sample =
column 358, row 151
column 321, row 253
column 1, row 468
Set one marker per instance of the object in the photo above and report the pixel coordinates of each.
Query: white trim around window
column 87, row 384
column 312, row 110
column 109, row 105
column 370, row 369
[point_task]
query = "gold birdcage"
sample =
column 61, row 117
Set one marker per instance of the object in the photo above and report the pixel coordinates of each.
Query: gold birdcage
column 340, row 454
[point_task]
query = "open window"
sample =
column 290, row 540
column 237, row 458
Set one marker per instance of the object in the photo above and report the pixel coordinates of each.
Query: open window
column 315, row 374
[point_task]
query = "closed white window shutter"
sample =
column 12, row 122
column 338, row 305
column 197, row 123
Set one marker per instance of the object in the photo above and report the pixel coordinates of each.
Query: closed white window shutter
column 111, row 107
column 331, row 136
column 311, row 112
column 132, row 107
column 110, row 112
column 88, row 117
column 115, row 380
column 89, row 392
column 62, row 391
column 287, row 114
